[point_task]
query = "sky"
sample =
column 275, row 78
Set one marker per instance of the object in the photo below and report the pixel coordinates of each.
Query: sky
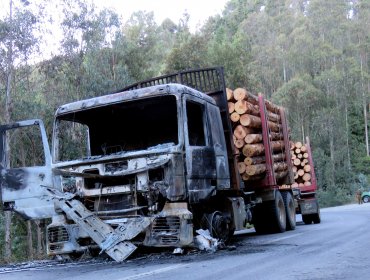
column 199, row 10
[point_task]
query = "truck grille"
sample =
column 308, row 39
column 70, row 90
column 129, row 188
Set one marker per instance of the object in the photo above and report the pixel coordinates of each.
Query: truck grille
column 58, row 234
column 167, row 229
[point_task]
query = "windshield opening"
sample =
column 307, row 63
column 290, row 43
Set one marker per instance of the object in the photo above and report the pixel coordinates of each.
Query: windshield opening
column 116, row 128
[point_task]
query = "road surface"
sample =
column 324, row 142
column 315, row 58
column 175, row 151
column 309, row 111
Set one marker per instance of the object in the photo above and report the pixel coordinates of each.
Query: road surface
column 338, row 248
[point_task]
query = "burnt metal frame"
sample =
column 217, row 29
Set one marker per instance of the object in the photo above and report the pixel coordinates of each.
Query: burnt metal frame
column 211, row 82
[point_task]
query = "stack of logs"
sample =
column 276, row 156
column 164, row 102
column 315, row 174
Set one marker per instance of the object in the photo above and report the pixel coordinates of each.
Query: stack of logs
column 248, row 140
column 301, row 165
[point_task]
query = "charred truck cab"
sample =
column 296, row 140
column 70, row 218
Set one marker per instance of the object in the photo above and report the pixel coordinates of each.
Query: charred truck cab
column 144, row 166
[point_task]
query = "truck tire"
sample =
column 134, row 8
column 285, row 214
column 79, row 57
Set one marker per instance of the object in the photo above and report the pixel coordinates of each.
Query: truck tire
column 289, row 210
column 366, row 199
column 270, row 216
column 278, row 214
column 307, row 219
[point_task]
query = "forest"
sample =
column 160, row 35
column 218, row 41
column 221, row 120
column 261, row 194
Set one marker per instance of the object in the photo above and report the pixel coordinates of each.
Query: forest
column 312, row 57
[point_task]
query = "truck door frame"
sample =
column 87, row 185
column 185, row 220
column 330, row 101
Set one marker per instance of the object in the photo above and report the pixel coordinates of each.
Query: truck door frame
column 24, row 189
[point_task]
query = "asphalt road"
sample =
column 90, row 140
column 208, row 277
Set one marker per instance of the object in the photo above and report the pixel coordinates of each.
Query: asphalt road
column 338, row 248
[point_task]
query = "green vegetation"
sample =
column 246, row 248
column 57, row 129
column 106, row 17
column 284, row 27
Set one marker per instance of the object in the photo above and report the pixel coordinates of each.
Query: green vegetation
column 312, row 57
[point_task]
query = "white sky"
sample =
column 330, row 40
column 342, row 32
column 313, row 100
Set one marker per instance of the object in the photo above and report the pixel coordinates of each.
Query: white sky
column 199, row 10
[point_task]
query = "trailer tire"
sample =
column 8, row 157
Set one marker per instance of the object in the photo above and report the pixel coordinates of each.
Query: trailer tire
column 289, row 210
column 270, row 216
column 278, row 214
column 307, row 219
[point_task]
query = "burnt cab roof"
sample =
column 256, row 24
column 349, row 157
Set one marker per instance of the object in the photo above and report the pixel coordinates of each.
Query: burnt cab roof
column 176, row 89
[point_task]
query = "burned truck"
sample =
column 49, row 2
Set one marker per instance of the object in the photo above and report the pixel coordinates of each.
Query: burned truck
column 147, row 165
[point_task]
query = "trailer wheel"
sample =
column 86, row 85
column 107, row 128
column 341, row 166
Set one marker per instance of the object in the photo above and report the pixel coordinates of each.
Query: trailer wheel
column 289, row 210
column 278, row 214
column 307, row 219
column 270, row 216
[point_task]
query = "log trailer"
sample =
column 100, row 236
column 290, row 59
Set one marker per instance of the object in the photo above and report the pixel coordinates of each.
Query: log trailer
column 147, row 165
column 305, row 182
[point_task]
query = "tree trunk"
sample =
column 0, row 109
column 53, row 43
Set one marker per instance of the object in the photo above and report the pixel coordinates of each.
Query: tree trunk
column 244, row 107
column 8, row 214
column 29, row 240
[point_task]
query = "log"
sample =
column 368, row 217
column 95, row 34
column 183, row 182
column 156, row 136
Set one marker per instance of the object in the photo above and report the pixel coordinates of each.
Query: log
column 250, row 121
column 254, row 160
column 271, row 107
column 276, row 136
column 293, row 157
column 295, row 185
column 303, row 149
column 250, row 150
column 229, row 94
column 240, row 94
column 301, row 185
column 306, row 177
column 234, row 117
column 307, row 184
column 299, row 156
column 292, row 145
column 241, row 167
column 300, row 172
column 244, row 107
column 277, row 145
column 231, row 106
column 239, row 143
column 255, row 169
column 281, row 174
column 240, row 132
column 280, row 166
column 274, row 126
column 294, row 169
column 246, row 177
column 297, row 151
column 305, row 155
column 303, row 163
column 297, row 162
column 298, row 145
column 253, row 138
column 278, row 157
column 307, row 168
column 273, row 117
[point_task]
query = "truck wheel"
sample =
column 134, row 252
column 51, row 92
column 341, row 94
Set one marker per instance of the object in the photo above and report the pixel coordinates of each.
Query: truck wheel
column 290, row 210
column 307, row 219
column 270, row 216
column 218, row 225
column 278, row 214
column 366, row 199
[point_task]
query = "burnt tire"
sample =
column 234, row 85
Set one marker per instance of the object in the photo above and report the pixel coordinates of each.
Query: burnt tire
column 289, row 210
column 270, row 216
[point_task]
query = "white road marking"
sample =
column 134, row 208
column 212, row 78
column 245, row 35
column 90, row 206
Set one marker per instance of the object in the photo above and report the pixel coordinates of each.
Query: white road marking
column 282, row 238
column 153, row 272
